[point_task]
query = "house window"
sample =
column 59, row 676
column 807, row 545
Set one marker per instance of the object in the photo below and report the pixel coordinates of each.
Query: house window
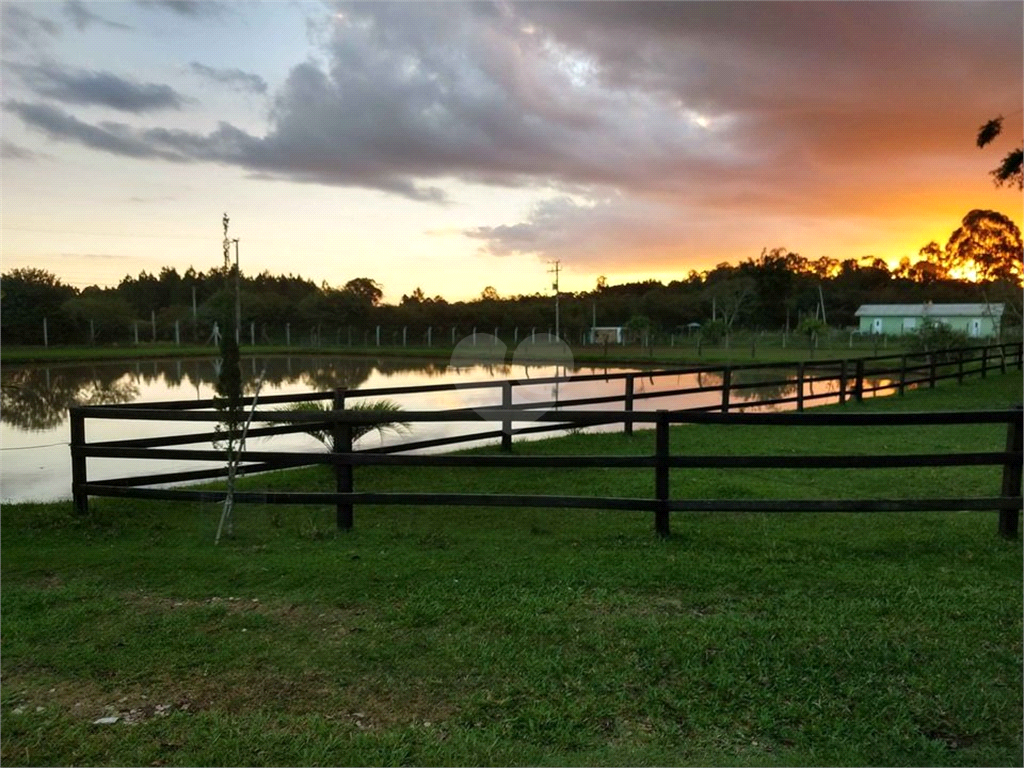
column 909, row 324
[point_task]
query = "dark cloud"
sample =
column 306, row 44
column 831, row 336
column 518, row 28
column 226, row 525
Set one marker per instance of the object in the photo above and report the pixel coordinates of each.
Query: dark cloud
column 11, row 151
column 194, row 9
column 114, row 138
column 100, row 88
column 233, row 78
column 82, row 18
column 23, row 29
column 707, row 107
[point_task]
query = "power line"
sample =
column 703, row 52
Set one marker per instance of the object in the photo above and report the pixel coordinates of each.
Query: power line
column 29, row 447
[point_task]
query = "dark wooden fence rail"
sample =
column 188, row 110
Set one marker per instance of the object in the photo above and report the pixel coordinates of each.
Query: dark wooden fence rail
column 1008, row 501
column 852, row 379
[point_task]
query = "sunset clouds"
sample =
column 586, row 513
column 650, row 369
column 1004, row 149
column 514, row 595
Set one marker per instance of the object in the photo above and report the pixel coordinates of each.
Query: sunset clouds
column 667, row 136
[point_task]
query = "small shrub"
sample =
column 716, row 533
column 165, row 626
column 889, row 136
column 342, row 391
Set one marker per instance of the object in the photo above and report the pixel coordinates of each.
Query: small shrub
column 937, row 338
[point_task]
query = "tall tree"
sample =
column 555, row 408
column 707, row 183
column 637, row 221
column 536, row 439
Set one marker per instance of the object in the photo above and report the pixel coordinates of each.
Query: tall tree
column 987, row 243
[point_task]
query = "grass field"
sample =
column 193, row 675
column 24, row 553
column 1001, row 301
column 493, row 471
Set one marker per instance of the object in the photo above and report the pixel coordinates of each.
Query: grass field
column 473, row 636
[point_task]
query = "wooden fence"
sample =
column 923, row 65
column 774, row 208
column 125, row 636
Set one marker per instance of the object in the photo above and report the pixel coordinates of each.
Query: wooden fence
column 896, row 373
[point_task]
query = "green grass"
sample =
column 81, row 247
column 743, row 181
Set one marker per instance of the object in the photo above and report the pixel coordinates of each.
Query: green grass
column 474, row 636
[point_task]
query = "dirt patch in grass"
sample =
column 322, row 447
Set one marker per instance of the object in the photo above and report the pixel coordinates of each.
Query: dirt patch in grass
column 366, row 704
column 288, row 613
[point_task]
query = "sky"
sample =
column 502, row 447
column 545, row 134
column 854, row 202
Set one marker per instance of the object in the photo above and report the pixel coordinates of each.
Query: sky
column 452, row 146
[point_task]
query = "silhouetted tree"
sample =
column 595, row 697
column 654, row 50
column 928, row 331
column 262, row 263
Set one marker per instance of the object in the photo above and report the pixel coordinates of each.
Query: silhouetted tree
column 1009, row 170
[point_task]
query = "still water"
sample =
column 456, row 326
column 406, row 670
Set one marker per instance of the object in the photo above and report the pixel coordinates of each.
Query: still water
column 35, row 461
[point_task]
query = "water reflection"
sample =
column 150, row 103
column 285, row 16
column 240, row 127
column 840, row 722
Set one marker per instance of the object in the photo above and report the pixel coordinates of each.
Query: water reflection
column 34, row 399
column 771, row 384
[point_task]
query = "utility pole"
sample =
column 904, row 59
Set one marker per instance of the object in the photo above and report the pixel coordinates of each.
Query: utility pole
column 238, row 297
column 227, row 265
column 556, row 269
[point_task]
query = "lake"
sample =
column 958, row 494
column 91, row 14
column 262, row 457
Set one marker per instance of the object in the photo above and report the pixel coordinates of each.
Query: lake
column 35, row 461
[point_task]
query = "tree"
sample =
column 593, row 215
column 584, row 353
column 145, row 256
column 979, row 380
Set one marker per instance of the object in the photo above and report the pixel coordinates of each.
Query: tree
column 368, row 291
column 1009, row 171
column 490, row 293
column 987, row 243
column 28, row 295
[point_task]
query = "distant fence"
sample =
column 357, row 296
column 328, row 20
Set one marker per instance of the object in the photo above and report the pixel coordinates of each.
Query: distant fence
column 851, row 381
column 479, row 331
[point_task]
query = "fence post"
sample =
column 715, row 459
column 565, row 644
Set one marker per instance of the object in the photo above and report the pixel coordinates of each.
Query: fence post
column 903, row 374
column 1002, row 359
column 960, row 366
column 984, row 362
column 78, row 466
column 726, row 385
column 506, row 424
column 342, row 443
column 628, row 427
column 842, row 382
column 1010, row 518
column 931, row 370
column 799, row 386
column 661, row 524
column 1019, row 349
column 46, row 334
column 858, row 386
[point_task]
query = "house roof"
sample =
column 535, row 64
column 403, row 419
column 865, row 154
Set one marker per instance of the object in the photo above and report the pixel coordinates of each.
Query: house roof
column 930, row 310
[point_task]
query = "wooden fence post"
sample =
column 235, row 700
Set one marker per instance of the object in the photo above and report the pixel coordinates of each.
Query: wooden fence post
column 1010, row 518
column 984, row 362
column 661, row 492
column 842, row 382
column 931, row 370
column 343, row 475
column 78, row 465
column 858, row 387
column 629, row 405
column 726, row 385
column 903, row 374
column 799, row 386
column 506, row 424
column 960, row 366
column 1002, row 359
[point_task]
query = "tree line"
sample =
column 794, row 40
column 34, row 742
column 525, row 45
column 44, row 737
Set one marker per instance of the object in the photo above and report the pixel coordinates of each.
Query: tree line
column 778, row 289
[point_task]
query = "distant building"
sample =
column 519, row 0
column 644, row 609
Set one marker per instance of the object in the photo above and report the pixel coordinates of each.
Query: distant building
column 976, row 320
column 606, row 334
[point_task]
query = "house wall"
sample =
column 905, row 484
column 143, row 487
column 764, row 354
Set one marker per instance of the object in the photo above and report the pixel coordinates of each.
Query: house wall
column 896, row 325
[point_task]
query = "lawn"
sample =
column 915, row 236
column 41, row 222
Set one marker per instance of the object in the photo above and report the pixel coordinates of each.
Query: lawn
column 474, row 636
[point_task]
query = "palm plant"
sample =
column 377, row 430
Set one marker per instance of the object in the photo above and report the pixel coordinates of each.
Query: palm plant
column 384, row 406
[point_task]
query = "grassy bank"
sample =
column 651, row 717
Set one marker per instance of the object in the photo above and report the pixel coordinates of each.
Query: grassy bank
column 471, row 636
column 684, row 352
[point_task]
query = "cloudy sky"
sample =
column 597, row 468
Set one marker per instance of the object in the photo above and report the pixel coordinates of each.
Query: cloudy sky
column 452, row 146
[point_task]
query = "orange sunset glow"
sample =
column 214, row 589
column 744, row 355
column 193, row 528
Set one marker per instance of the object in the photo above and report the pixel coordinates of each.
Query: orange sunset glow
column 452, row 146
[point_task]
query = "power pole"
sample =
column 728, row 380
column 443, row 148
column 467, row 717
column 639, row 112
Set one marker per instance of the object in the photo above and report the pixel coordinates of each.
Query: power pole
column 227, row 265
column 556, row 269
column 238, row 297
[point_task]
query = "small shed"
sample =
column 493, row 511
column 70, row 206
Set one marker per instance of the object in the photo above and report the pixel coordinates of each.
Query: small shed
column 976, row 320
column 606, row 334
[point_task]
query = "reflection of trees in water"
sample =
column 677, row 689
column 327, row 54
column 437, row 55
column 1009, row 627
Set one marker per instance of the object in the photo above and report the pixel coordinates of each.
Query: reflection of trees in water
column 36, row 399
column 771, row 384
